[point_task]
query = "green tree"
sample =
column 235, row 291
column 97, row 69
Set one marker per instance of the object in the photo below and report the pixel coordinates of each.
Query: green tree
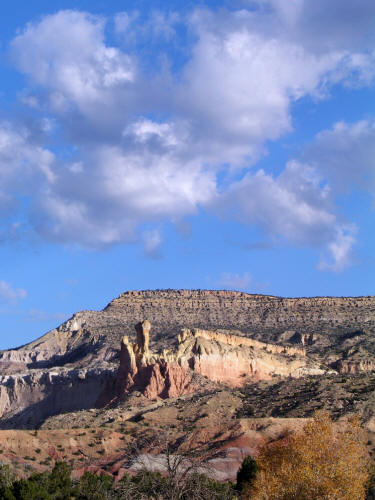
column 33, row 488
column 95, row 487
column 246, row 473
column 59, row 483
column 6, row 481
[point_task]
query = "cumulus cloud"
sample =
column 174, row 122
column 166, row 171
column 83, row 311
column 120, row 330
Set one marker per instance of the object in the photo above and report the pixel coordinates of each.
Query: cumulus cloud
column 340, row 249
column 66, row 54
column 337, row 24
column 235, row 91
column 296, row 206
column 148, row 146
column 10, row 294
column 121, row 190
column 88, row 85
column 239, row 86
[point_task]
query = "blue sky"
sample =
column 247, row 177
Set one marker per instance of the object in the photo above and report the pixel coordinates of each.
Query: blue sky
column 183, row 145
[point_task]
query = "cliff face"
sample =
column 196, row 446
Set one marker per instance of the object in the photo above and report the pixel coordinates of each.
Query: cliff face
column 29, row 398
column 325, row 328
column 262, row 317
column 355, row 366
column 90, row 336
column 221, row 358
column 251, row 314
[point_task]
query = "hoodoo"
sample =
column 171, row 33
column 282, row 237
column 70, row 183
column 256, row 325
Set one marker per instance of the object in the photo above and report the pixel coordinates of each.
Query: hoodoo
column 222, row 358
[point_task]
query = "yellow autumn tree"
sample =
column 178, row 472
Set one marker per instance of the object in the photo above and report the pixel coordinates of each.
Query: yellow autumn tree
column 321, row 462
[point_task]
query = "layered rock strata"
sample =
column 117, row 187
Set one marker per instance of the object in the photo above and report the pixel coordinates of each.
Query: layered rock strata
column 222, row 358
column 27, row 399
column 316, row 321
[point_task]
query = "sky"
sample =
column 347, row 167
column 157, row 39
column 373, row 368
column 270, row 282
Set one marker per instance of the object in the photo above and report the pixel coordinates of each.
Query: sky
column 167, row 144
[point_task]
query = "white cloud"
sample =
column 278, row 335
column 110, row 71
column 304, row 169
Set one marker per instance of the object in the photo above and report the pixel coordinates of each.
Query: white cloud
column 323, row 26
column 292, row 205
column 295, row 206
column 148, row 147
column 145, row 130
column 65, row 54
column 246, row 71
column 121, row 191
column 239, row 87
column 76, row 168
column 235, row 281
column 340, row 250
column 234, row 93
column 10, row 294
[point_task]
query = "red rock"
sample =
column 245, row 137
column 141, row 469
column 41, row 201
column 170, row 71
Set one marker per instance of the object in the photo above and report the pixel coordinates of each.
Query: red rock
column 223, row 358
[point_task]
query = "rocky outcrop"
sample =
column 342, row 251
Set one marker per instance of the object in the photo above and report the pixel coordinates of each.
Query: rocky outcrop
column 220, row 357
column 70, row 343
column 352, row 366
column 240, row 341
column 27, row 399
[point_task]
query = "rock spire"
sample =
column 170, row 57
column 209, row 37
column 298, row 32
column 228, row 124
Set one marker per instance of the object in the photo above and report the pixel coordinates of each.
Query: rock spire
column 219, row 357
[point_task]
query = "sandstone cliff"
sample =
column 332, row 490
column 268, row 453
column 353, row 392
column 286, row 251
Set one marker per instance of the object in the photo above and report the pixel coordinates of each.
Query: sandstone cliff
column 221, row 358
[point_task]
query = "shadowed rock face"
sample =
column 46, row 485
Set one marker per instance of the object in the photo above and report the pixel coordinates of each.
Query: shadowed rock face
column 222, row 358
column 27, row 399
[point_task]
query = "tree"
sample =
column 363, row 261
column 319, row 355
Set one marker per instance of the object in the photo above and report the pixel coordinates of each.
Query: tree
column 33, row 488
column 321, row 462
column 246, row 473
column 59, row 482
column 6, row 480
column 95, row 487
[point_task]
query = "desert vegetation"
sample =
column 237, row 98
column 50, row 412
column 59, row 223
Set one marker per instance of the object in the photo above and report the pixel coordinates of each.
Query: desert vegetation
column 323, row 461
column 58, row 485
